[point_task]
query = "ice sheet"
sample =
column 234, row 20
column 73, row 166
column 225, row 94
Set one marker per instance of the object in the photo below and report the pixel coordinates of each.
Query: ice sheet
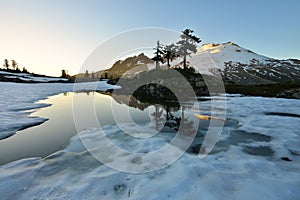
column 74, row 174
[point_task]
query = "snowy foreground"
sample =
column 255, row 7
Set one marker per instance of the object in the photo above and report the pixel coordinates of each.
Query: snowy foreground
column 229, row 173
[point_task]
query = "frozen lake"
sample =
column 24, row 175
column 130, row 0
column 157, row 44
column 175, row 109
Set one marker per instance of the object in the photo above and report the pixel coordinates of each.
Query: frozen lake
column 257, row 155
column 55, row 133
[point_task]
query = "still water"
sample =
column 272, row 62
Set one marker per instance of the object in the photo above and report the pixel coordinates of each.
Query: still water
column 55, row 134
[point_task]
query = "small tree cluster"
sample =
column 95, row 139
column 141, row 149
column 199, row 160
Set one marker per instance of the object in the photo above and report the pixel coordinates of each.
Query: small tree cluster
column 14, row 65
column 183, row 48
column 64, row 74
column 24, row 70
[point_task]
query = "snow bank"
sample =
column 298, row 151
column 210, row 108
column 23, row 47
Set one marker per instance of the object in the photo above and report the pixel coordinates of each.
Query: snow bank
column 30, row 77
column 283, row 126
column 74, row 174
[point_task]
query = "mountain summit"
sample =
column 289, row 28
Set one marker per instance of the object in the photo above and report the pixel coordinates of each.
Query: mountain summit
column 243, row 66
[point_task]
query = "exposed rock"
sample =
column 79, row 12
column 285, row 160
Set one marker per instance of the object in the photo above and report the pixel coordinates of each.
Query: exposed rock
column 286, row 159
column 292, row 93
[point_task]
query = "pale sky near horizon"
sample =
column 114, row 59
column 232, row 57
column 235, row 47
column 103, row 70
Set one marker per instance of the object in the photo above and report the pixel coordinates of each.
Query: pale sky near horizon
column 46, row 36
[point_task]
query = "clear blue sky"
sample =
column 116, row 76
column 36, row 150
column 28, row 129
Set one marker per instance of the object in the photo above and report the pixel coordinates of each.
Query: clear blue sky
column 49, row 35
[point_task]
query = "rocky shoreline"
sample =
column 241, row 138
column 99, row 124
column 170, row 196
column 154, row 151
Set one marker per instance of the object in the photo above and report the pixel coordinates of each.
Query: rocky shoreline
column 157, row 87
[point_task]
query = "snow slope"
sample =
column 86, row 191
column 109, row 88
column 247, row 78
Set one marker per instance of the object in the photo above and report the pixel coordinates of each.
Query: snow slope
column 221, row 53
column 17, row 101
column 242, row 66
column 231, row 173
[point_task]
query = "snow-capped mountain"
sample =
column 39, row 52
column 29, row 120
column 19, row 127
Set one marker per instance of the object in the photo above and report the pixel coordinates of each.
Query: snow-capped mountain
column 221, row 53
column 236, row 65
column 240, row 65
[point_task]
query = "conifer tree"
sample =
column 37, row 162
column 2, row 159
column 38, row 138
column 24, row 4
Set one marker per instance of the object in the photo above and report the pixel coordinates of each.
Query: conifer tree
column 159, row 53
column 6, row 65
column 170, row 53
column 14, row 64
column 187, row 44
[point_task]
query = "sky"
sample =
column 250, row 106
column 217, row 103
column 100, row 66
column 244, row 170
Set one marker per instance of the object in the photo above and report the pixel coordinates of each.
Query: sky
column 46, row 36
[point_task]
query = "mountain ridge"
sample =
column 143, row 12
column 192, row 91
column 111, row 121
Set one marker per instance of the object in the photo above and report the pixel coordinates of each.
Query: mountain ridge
column 236, row 64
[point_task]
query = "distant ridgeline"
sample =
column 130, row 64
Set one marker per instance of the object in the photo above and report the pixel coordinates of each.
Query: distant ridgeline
column 12, row 73
column 17, row 76
column 130, row 66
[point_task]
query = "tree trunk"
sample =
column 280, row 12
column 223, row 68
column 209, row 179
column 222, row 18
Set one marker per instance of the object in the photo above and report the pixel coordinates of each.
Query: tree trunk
column 157, row 65
column 167, row 113
column 156, row 117
column 157, row 61
column 184, row 62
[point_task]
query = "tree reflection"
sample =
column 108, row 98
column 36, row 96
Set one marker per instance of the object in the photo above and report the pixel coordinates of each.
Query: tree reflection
column 158, row 117
column 168, row 113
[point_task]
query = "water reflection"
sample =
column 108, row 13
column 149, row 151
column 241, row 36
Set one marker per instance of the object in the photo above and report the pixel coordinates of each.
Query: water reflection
column 55, row 133
column 166, row 113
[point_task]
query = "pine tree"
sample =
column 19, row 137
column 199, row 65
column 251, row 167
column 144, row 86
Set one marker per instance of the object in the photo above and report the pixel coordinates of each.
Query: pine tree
column 187, row 44
column 6, row 65
column 86, row 74
column 24, row 70
column 159, row 53
column 64, row 73
column 14, row 64
column 170, row 53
